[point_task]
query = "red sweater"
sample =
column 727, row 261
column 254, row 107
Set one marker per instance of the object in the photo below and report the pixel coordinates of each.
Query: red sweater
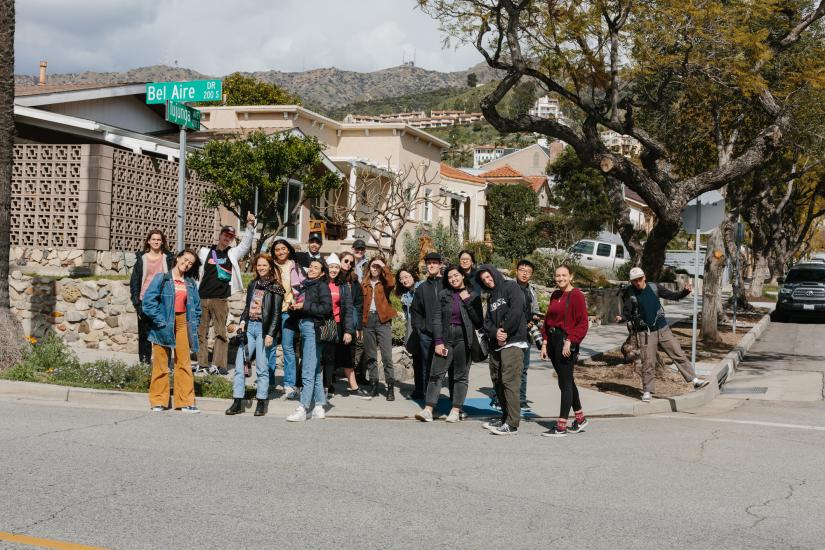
column 574, row 323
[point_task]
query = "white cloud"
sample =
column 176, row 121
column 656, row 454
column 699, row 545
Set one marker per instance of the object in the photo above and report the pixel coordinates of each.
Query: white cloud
column 217, row 37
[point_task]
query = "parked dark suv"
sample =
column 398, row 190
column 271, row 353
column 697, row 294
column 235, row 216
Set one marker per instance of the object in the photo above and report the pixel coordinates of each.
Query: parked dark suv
column 802, row 292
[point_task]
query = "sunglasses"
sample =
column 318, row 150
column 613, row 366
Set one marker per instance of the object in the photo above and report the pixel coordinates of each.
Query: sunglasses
column 346, row 262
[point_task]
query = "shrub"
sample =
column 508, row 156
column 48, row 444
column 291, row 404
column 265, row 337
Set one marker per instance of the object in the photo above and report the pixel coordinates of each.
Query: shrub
column 49, row 354
column 480, row 250
column 103, row 374
column 444, row 240
column 21, row 373
column 399, row 330
column 623, row 272
column 213, row 386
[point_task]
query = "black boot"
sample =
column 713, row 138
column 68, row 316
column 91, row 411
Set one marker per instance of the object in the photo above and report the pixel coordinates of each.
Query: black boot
column 260, row 408
column 236, row 407
column 390, row 391
column 374, row 389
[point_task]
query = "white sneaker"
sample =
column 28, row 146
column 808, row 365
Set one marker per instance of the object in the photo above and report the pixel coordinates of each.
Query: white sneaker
column 700, row 383
column 319, row 412
column 646, row 397
column 298, row 415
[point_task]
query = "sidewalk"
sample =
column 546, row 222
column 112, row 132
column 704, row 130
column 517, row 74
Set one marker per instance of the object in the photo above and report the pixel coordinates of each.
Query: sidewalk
column 542, row 388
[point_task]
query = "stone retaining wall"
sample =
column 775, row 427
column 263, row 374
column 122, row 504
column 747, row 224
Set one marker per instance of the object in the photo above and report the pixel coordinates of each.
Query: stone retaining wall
column 56, row 262
column 85, row 313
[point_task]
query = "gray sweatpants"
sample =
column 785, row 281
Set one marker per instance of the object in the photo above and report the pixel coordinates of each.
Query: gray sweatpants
column 662, row 338
column 378, row 336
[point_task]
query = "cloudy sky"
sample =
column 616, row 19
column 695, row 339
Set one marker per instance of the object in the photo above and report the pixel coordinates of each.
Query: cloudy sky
column 217, row 37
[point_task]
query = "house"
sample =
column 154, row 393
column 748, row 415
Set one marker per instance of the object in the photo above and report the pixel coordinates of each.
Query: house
column 530, row 161
column 369, row 154
column 641, row 215
column 486, row 153
column 91, row 176
column 464, row 208
column 548, row 107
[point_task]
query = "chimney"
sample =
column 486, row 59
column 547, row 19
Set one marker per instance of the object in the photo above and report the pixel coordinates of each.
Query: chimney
column 43, row 65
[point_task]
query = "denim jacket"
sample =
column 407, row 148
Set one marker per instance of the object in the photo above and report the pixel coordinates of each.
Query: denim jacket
column 159, row 306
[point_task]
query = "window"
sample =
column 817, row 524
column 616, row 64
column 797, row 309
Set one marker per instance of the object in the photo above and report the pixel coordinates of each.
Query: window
column 583, row 247
column 619, row 251
column 603, row 250
column 286, row 201
column 428, row 207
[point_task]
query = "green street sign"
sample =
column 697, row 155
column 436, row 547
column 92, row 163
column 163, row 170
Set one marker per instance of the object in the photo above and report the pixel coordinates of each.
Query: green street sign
column 184, row 92
column 183, row 115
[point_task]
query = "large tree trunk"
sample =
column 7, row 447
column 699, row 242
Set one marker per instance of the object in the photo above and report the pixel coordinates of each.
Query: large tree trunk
column 653, row 255
column 712, row 287
column 10, row 331
column 623, row 223
column 760, row 273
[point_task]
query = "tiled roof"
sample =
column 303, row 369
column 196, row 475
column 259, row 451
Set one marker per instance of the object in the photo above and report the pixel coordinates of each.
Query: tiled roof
column 454, row 173
column 536, row 182
column 21, row 91
column 505, row 171
column 633, row 195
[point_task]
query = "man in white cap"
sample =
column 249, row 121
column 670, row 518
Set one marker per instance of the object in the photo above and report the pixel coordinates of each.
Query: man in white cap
column 644, row 309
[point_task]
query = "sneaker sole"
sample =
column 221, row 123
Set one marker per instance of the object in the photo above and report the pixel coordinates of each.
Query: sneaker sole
column 296, row 419
column 702, row 385
column 423, row 418
column 190, row 412
column 555, row 435
column 496, row 432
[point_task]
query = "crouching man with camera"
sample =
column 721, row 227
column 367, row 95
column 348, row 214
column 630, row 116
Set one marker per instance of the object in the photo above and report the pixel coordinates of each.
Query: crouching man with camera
column 565, row 326
column 645, row 315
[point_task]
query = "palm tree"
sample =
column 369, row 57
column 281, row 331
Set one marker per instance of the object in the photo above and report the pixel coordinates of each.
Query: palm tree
column 9, row 327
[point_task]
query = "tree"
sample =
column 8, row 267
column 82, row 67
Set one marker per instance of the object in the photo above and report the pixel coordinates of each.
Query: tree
column 709, row 89
column 443, row 240
column 246, row 90
column 266, row 163
column 508, row 208
column 472, row 80
column 580, row 192
column 384, row 203
column 10, row 331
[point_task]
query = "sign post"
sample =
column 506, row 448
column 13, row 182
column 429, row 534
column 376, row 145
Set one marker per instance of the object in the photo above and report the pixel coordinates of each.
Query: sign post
column 174, row 95
column 701, row 215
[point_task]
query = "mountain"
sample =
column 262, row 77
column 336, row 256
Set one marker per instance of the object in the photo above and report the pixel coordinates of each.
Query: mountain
column 327, row 88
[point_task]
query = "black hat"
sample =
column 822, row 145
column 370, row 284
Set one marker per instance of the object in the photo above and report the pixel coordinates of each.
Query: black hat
column 315, row 237
column 432, row 256
column 359, row 243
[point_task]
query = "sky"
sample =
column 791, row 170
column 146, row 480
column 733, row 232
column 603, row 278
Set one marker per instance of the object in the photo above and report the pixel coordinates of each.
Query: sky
column 217, row 37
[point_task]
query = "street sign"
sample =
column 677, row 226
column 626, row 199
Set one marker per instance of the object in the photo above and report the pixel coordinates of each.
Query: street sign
column 712, row 206
column 183, row 115
column 184, row 92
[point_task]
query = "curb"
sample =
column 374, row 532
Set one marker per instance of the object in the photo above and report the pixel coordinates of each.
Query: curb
column 724, row 370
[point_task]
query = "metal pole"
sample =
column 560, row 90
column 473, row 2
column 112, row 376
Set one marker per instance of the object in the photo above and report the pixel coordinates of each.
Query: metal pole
column 696, row 283
column 182, row 190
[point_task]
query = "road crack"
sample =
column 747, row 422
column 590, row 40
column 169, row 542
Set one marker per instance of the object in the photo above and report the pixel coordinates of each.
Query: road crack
column 759, row 518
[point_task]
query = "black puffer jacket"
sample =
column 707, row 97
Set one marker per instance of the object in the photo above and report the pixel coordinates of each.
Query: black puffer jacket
column 270, row 308
column 505, row 308
column 317, row 300
column 472, row 315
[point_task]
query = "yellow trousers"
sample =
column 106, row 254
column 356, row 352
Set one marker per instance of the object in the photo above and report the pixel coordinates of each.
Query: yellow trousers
column 184, row 380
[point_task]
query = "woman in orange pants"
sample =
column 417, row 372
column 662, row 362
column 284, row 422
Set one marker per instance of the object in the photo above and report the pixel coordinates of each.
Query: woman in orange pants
column 173, row 306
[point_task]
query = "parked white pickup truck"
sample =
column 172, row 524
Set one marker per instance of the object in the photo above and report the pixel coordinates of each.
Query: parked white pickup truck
column 601, row 255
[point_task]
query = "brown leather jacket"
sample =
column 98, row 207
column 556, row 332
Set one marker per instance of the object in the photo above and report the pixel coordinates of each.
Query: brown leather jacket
column 382, row 296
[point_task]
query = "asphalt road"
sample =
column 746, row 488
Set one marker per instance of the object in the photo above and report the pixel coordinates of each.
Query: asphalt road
column 741, row 473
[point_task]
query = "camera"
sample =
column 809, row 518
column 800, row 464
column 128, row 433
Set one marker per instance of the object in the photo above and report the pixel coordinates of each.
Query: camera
column 535, row 335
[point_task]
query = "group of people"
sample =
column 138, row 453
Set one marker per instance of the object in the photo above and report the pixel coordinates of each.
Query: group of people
column 337, row 312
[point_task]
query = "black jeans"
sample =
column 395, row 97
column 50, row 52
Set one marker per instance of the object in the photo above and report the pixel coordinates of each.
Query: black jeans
column 564, row 371
column 144, row 345
column 425, row 360
column 457, row 362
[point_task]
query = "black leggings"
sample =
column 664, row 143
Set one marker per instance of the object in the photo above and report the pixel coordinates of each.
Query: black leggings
column 335, row 356
column 564, row 371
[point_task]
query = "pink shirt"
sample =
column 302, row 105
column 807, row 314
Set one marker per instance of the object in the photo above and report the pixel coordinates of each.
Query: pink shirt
column 153, row 267
column 180, row 297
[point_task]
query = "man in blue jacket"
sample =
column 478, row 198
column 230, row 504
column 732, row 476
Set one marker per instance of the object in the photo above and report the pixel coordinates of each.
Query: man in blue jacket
column 505, row 327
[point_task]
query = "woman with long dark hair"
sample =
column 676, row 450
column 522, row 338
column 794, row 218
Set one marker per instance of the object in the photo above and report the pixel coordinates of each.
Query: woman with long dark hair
column 377, row 317
column 406, row 282
column 153, row 259
column 172, row 304
column 354, row 350
column 467, row 263
column 291, row 275
column 457, row 315
column 313, row 306
column 565, row 326
column 261, row 320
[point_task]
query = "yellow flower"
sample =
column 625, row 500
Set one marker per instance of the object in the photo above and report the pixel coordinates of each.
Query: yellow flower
column 31, row 339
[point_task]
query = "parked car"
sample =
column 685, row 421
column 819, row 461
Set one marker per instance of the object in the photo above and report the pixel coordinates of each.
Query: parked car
column 601, row 255
column 802, row 292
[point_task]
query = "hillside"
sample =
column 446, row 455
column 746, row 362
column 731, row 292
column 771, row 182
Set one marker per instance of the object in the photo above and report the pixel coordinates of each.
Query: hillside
column 326, row 88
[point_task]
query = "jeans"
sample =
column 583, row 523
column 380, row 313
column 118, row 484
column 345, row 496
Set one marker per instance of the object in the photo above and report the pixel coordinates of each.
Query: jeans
column 289, row 326
column 564, row 372
column 311, row 374
column 254, row 344
column 378, row 336
column 425, row 343
column 523, row 388
column 457, row 362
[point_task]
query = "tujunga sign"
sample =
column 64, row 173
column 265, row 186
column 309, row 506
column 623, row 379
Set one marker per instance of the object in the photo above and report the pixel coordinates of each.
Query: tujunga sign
column 184, row 92
column 183, row 115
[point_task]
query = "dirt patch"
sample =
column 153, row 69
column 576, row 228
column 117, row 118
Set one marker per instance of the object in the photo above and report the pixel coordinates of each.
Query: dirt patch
column 611, row 374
